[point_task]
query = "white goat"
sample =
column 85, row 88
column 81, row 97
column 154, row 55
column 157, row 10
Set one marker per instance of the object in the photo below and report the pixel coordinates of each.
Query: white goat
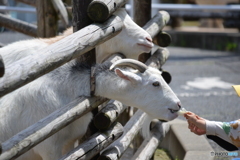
column 143, row 88
column 131, row 41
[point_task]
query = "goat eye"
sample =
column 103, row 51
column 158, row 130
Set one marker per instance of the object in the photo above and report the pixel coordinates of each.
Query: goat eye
column 156, row 84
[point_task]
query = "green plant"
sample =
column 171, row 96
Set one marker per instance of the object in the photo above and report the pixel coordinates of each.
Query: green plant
column 230, row 46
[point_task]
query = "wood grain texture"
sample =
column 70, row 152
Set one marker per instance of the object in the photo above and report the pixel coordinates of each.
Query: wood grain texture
column 156, row 24
column 149, row 145
column 95, row 143
column 101, row 10
column 108, row 114
column 158, row 58
column 117, row 148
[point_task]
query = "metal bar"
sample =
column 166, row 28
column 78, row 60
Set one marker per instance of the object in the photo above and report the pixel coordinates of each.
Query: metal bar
column 200, row 14
column 193, row 7
column 17, row 9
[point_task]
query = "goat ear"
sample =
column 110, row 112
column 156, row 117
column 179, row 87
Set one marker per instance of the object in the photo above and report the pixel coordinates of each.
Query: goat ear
column 134, row 78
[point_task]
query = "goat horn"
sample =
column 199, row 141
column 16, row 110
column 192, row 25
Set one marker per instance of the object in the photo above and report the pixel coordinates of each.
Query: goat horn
column 130, row 63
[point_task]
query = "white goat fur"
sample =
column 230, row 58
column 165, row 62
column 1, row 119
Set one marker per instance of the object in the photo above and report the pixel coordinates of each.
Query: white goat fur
column 41, row 97
column 131, row 41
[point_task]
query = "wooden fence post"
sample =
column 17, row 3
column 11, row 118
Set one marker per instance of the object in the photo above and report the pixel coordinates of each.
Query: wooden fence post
column 46, row 18
column 141, row 15
column 81, row 20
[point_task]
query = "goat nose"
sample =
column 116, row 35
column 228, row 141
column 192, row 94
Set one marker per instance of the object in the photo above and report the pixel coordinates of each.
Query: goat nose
column 149, row 39
column 179, row 105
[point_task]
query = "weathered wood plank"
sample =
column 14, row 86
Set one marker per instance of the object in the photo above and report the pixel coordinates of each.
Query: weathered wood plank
column 101, row 10
column 29, row 2
column 47, row 19
column 95, row 144
column 29, row 68
column 117, row 148
column 18, row 25
column 159, row 57
column 108, row 114
column 148, row 147
column 163, row 39
column 156, row 24
column 60, row 8
column 28, row 138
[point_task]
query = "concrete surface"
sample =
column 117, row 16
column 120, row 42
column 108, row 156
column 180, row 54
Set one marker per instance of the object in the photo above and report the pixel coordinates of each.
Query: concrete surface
column 184, row 145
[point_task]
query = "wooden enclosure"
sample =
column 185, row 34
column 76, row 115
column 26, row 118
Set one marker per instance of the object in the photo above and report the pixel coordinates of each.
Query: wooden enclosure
column 110, row 132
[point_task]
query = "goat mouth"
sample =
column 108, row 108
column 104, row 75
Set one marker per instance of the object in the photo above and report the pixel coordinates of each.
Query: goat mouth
column 173, row 110
column 149, row 46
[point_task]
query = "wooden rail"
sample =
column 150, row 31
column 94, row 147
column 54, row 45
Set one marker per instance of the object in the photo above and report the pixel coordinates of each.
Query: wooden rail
column 157, row 23
column 108, row 114
column 149, row 145
column 95, row 144
column 117, row 148
column 18, row 25
column 29, row 68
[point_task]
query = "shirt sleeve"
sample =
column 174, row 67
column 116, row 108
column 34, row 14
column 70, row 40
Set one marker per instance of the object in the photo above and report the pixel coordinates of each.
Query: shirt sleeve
column 229, row 131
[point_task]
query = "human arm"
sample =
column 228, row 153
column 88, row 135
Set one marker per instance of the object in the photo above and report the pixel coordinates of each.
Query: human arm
column 228, row 131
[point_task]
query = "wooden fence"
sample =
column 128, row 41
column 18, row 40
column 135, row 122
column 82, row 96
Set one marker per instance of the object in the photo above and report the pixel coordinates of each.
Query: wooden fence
column 59, row 53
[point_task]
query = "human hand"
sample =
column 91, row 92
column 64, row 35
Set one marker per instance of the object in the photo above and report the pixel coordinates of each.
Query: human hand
column 196, row 124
